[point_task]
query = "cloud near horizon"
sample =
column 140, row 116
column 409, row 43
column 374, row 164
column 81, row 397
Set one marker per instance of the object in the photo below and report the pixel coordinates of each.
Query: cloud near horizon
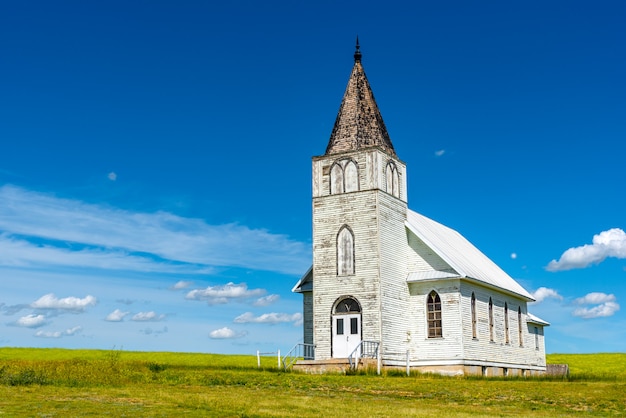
column 217, row 295
column 58, row 334
column 150, row 316
column 116, row 316
column 605, row 305
column 269, row 318
column 35, row 229
column 610, row 243
column 71, row 303
column 31, row 321
column 226, row 333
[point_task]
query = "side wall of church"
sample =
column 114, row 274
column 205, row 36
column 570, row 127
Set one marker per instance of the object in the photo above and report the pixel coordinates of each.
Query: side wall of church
column 449, row 347
column 505, row 346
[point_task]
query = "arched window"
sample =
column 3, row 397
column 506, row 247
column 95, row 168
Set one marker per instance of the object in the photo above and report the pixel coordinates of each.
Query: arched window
column 336, row 179
column 434, row 315
column 345, row 251
column 473, row 315
column 391, row 175
column 490, row 320
column 519, row 326
column 344, row 176
column 351, row 177
column 506, row 323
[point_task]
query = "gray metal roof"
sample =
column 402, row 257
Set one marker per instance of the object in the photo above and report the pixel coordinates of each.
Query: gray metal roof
column 461, row 255
column 532, row 319
column 305, row 284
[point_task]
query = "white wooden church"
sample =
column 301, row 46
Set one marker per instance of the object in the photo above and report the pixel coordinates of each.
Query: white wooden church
column 389, row 282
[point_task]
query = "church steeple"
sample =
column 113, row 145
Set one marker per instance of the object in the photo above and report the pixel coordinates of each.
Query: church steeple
column 359, row 123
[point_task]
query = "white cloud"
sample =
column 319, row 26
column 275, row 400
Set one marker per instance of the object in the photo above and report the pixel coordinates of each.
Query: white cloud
column 224, row 293
column 595, row 298
column 112, row 176
column 269, row 318
column 513, row 256
column 50, row 301
column 147, row 316
column 266, row 300
column 544, row 293
column 182, row 284
column 116, row 316
column 225, row 333
column 154, row 239
column 606, row 305
column 31, row 321
column 58, row 334
column 440, row 152
column 610, row 243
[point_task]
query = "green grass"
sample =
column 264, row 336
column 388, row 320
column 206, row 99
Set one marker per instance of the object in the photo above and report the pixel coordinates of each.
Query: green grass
column 62, row 383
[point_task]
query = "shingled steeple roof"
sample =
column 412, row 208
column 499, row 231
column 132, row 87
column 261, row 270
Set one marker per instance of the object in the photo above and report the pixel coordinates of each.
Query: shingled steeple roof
column 359, row 123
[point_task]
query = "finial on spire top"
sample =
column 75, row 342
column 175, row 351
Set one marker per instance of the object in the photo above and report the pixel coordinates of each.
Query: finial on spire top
column 357, row 53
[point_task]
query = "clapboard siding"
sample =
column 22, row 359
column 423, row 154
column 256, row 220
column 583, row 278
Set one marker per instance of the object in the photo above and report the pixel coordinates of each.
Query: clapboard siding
column 358, row 211
column 481, row 348
column 394, row 295
column 422, row 258
column 308, row 317
column 361, row 211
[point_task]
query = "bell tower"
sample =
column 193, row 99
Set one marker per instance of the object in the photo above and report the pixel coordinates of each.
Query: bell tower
column 359, row 206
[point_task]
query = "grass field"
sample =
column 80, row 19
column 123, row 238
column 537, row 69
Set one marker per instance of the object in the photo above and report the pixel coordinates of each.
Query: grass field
column 68, row 383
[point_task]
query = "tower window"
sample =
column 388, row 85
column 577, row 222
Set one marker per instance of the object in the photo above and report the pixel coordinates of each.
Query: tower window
column 392, row 180
column 434, row 315
column 344, row 177
column 345, row 251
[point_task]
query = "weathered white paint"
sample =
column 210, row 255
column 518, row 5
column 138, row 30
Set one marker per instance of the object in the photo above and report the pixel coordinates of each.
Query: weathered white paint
column 367, row 245
column 385, row 253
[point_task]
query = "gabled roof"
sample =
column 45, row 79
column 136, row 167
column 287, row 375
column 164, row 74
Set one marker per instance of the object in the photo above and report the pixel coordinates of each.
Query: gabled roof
column 305, row 284
column 461, row 255
column 359, row 123
column 532, row 319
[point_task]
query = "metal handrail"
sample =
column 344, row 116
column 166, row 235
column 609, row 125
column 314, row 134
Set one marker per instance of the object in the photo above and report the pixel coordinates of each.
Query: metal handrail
column 365, row 349
column 299, row 351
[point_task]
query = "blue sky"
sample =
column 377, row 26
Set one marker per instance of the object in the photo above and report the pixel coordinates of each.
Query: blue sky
column 155, row 160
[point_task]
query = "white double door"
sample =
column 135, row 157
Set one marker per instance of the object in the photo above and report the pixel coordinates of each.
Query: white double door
column 346, row 334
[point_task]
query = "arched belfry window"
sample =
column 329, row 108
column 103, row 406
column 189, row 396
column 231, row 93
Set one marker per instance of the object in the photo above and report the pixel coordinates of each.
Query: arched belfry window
column 344, row 176
column 351, row 177
column 433, row 305
column 473, row 315
column 490, row 320
column 345, row 251
column 392, row 180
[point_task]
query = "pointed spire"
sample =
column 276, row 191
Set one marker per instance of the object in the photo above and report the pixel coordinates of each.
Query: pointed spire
column 359, row 123
column 357, row 53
